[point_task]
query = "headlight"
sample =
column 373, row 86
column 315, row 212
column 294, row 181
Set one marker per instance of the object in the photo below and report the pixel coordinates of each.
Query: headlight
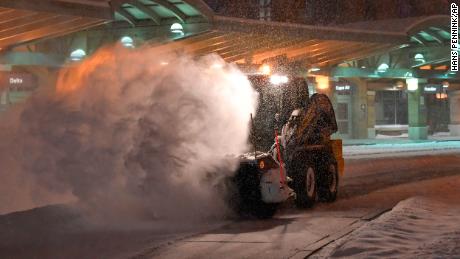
column 261, row 164
column 266, row 163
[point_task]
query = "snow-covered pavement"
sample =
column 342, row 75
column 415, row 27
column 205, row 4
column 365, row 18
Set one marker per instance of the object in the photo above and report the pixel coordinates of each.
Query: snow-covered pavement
column 417, row 227
column 424, row 224
column 359, row 226
column 369, row 188
column 401, row 149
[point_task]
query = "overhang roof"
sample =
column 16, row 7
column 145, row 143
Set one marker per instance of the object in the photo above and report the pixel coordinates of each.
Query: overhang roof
column 25, row 21
column 423, row 30
column 24, row 26
column 239, row 40
column 160, row 11
column 236, row 40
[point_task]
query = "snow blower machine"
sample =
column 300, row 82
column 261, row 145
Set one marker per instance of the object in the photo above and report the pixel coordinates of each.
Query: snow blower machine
column 294, row 156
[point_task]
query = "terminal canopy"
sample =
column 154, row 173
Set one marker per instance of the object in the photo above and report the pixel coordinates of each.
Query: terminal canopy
column 235, row 40
column 25, row 21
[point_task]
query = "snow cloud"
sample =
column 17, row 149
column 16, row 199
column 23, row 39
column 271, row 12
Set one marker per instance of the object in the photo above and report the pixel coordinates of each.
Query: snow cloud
column 129, row 132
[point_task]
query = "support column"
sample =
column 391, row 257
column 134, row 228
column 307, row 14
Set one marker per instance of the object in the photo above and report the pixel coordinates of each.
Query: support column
column 416, row 110
column 4, row 99
column 454, row 100
column 371, row 114
column 359, row 108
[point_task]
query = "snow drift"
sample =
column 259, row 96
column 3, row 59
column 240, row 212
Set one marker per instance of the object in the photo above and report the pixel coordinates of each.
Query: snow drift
column 418, row 227
column 128, row 132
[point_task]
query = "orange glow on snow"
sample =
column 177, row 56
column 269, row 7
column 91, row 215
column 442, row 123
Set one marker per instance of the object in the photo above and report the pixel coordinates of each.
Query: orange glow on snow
column 70, row 79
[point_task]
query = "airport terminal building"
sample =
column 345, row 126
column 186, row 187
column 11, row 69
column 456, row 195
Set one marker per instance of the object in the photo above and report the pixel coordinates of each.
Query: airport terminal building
column 386, row 78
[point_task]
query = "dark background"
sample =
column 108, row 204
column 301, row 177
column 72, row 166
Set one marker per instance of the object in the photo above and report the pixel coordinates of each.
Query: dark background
column 326, row 12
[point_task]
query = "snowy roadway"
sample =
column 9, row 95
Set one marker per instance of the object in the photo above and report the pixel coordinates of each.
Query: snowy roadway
column 361, row 223
column 400, row 149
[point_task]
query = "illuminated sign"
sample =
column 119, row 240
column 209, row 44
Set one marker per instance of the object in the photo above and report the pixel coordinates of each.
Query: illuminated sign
column 342, row 87
column 18, row 81
column 430, row 89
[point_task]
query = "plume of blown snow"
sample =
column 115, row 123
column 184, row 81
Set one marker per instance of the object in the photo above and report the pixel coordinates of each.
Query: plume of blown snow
column 126, row 133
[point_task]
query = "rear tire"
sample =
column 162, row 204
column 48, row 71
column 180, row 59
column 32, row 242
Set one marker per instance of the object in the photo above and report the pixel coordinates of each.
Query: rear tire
column 305, row 187
column 329, row 183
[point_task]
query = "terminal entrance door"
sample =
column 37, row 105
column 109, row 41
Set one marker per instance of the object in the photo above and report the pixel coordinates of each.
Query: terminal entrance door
column 343, row 116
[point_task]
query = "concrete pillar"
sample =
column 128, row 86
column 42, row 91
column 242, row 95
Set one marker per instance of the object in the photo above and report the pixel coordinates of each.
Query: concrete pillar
column 454, row 100
column 359, row 108
column 371, row 114
column 416, row 110
column 4, row 99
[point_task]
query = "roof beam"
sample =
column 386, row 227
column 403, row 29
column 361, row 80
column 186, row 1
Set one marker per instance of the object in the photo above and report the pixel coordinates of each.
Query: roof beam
column 356, row 55
column 117, row 6
column 201, row 7
column 171, row 7
column 52, row 30
column 14, row 14
column 433, row 62
column 51, row 20
column 315, row 49
column 284, row 49
column 63, row 8
column 346, row 51
column 246, row 50
column 324, row 51
column 266, row 46
column 210, row 45
column 40, row 20
column 23, row 20
column 293, row 31
column 164, row 47
column 436, row 38
column 239, row 47
column 146, row 10
column 417, row 39
column 339, row 50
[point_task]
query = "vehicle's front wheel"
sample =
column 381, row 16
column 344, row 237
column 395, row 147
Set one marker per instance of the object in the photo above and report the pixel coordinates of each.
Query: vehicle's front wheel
column 305, row 187
column 329, row 183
